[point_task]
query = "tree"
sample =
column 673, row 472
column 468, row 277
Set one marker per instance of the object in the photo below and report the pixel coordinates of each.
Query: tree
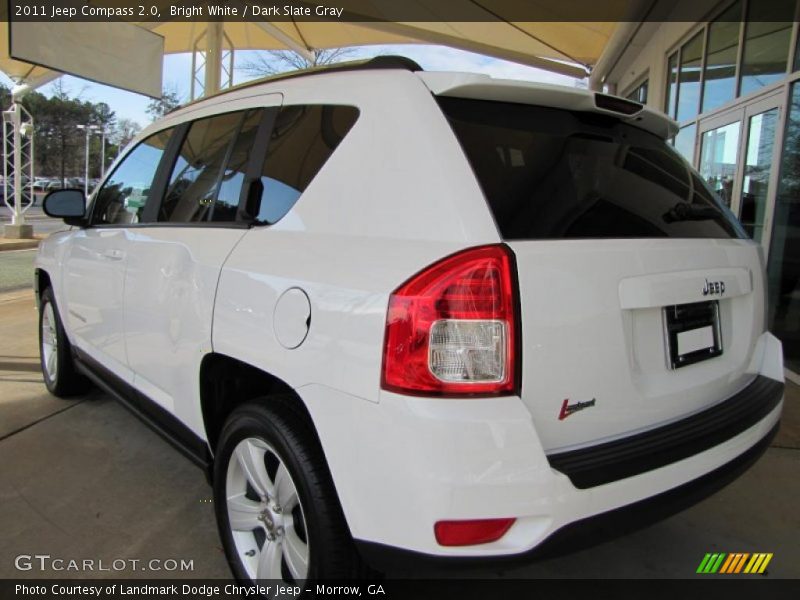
column 169, row 101
column 272, row 62
column 124, row 132
column 60, row 145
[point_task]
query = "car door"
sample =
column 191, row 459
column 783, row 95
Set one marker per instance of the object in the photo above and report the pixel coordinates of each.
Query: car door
column 175, row 261
column 94, row 265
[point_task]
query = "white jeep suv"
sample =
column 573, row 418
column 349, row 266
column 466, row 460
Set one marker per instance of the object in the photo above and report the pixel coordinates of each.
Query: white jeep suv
column 398, row 314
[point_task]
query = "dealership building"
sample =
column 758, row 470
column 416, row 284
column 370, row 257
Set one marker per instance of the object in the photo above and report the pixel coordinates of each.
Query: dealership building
column 732, row 81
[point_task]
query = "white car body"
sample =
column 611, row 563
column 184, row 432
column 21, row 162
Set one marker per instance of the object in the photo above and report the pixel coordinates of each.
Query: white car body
column 305, row 300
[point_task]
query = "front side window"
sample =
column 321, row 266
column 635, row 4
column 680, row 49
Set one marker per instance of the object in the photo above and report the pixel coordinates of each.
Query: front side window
column 122, row 198
column 302, row 140
column 207, row 177
column 555, row 174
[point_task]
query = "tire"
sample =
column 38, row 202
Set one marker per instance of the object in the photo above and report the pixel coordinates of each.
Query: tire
column 272, row 483
column 55, row 353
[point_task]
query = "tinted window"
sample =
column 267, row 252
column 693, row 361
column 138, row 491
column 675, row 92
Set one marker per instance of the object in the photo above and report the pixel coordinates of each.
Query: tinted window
column 209, row 170
column 124, row 194
column 302, row 140
column 553, row 174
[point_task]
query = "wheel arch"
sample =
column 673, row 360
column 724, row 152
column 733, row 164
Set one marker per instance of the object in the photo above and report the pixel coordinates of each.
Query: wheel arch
column 227, row 382
column 41, row 281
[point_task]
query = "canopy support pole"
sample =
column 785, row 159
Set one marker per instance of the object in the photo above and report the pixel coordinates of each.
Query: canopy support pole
column 290, row 43
column 20, row 158
column 21, row 153
column 214, row 43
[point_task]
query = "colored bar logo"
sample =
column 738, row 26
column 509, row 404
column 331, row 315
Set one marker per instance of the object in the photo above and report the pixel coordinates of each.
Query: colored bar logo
column 734, row 563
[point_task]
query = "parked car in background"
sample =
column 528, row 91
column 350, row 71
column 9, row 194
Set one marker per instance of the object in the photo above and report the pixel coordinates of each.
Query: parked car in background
column 40, row 184
column 400, row 315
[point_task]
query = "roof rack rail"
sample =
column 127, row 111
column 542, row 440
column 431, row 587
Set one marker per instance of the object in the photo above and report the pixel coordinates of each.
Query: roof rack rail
column 378, row 62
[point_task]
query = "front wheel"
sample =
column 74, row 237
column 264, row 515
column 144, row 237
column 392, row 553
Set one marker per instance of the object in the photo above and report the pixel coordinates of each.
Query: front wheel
column 58, row 368
column 277, row 510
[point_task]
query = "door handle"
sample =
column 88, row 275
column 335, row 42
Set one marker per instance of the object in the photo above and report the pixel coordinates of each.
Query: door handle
column 112, row 254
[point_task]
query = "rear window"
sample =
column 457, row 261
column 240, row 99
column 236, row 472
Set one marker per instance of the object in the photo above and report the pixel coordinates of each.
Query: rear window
column 555, row 174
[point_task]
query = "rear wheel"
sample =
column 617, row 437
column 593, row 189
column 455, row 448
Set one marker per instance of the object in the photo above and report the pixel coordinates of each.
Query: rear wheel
column 278, row 514
column 58, row 368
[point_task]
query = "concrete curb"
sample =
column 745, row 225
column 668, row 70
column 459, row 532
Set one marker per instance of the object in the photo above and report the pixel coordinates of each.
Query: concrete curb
column 15, row 295
column 18, row 245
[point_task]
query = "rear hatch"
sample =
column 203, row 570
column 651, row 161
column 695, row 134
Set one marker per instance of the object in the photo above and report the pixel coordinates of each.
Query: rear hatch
column 641, row 301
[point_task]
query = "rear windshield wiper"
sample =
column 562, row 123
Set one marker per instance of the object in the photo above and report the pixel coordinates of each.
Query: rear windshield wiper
column 684, row 211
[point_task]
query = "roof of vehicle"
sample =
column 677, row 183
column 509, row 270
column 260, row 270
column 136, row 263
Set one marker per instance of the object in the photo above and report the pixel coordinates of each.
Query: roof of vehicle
column 377, row 63
column 483, row 87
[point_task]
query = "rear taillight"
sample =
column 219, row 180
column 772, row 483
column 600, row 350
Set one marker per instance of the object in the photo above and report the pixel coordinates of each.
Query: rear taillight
column 450, row 330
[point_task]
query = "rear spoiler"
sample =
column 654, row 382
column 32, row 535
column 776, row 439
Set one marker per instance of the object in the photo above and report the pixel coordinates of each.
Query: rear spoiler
column 484, row 87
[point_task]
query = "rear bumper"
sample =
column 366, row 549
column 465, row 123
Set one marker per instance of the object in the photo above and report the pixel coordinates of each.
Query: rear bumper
column 582, row 533
column 403, row 464
column 612, row 461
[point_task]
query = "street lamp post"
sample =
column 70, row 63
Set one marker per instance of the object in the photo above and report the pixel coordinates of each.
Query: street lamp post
column 102, row 152
column 88, row 129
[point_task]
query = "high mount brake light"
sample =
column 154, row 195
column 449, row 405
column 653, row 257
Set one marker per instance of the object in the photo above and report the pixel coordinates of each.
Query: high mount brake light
column 451, row 329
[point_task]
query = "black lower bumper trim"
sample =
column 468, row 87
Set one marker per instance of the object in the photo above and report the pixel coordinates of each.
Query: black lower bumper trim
column 580, row 534
column 632, row 455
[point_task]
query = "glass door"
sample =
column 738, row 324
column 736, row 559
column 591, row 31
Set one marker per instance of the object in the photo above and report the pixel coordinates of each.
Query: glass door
column 738, row 158
column 719, row 155
column 759, row 170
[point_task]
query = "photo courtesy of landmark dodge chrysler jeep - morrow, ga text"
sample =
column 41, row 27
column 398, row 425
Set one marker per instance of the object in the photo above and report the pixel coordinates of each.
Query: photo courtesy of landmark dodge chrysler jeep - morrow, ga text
column 413, row 315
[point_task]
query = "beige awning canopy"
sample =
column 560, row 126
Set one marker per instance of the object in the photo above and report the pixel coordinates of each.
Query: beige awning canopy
column 565, row 47
column 546, row 45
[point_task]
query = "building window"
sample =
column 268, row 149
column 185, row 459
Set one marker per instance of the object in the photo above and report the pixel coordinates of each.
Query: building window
column 766, row 44
column 639, row 93
column 671, row 100
column 783, row 269
column 719, row 75
column 684, row 142
column 797, row 56
column 689, row 78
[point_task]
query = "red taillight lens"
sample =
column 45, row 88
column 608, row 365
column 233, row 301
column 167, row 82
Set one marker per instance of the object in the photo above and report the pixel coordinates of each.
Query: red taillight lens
column 469, row 533
column 450, row 330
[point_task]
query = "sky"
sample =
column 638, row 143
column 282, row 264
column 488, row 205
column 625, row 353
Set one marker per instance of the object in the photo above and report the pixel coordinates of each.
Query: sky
column 177, row 74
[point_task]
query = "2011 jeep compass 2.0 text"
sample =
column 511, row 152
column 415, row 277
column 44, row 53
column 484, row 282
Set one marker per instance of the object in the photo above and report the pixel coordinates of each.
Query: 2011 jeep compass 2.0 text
column 429, row 314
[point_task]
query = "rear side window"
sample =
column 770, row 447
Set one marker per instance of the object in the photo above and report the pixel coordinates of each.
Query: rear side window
column 555, row 174
column 207, row 177
column 125, row 192
column 302, row 140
